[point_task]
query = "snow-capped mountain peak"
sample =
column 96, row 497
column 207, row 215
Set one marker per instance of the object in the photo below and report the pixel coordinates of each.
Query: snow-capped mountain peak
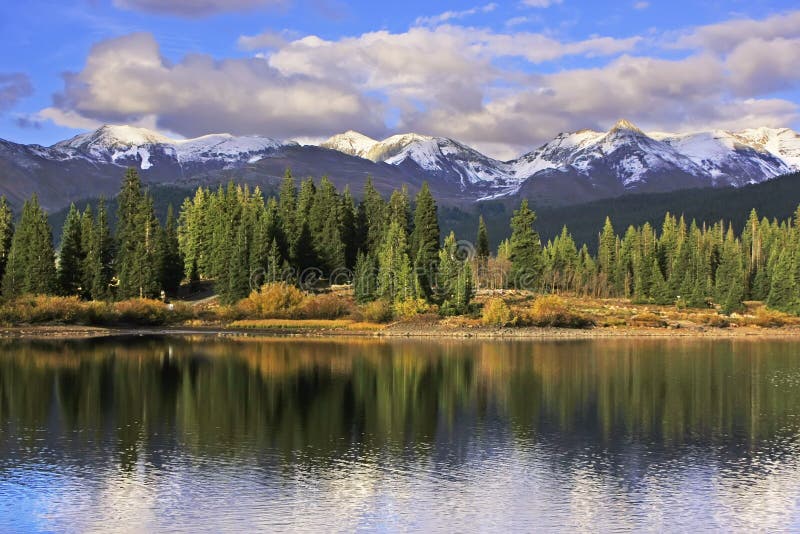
column 625, row 125
column 351, row 142
column 131, row 145
column 111, row 136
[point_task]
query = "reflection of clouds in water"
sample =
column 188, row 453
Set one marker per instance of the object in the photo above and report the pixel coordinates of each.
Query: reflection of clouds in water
column 302, row 435
column 517, row 488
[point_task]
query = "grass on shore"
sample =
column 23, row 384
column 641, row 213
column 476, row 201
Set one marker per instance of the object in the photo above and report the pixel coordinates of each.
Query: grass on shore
column 295, row 310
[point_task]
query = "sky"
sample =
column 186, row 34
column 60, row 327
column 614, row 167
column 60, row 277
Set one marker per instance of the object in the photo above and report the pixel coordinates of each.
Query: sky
column 501, row 76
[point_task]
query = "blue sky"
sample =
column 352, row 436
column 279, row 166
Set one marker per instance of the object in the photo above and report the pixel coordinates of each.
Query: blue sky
column 502, row 76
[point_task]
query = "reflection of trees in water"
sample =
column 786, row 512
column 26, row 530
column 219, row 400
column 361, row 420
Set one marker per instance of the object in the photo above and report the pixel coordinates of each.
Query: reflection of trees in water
column 322, row 398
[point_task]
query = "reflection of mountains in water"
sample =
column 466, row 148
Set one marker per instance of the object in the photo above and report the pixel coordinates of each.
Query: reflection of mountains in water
column 323, row 399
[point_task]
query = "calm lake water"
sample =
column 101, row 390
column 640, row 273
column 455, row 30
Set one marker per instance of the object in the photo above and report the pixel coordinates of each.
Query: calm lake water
column 188, row 434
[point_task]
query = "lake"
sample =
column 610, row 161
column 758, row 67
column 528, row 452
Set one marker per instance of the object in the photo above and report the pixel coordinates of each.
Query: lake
column 219, row 434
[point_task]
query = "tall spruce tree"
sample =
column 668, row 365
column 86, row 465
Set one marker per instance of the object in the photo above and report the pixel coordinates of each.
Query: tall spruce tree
column 138, row 241
column 527, row 260
column 348, row 213
column 455, row 279
column 394, row 266
column 287, row 211
column 6, row 233
column 70, row 258
column 607, row 253
column 373, row 217
column 482, row 241
column 365, row 279
column 782, row 288
column 98, row 268
column 31, row 259
column 170, row 260
column 425, row 241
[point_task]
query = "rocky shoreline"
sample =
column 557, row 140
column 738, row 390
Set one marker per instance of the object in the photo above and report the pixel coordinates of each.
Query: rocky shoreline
column 404, row 330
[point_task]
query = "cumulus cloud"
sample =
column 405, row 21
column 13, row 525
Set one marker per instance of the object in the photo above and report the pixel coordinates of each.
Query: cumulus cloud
column 126, row 79
column 681, row 95
column 195, row 8
column 758, row 66
column 725, row 36
column 444, row 79
column 14, row 86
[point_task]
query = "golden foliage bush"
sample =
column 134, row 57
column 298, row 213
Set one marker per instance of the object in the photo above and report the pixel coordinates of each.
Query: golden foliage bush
column 497, row 313
column 146, row 312
column 272, row 301
column 767, row 318
column 35, row 309
column 326, row 306
column 714, row 320
column 551, row 310
column 314, row 324
column 648, row 320
column 410, row 308
column 378, row 311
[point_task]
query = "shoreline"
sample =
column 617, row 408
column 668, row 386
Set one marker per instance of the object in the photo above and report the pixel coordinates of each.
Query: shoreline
column 399, row 331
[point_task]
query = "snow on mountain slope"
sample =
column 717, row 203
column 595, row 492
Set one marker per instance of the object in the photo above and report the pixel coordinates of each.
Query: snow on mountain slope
column 440, row 157
column 351, row 143
column 223, row 146
column 626, row 151
column 726, row 157
column 780, row 142
column 123, row 145
column 585, row 164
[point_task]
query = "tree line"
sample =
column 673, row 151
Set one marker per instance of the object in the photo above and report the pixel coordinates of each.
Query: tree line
column 311, row 234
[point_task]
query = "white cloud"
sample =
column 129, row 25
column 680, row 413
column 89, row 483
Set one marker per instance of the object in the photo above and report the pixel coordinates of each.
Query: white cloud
column 641, row 5
column 454, row 15
column 760, row 67
column 446, row 80
column 725, row 36
column 195, row 8
column 68, row 118
column 126, row 79
column 540, row 3
column 267, row 40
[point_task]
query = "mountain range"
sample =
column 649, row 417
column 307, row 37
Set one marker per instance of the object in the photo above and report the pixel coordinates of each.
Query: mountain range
column 573, row 168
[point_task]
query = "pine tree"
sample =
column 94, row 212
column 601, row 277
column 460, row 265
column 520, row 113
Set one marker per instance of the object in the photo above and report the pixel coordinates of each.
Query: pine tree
column 287, row 210
column 607, row 254
column 170, row 260
column 365, row 278
column 31, row 259
column 373, row 217
column 303, row 249
column 348, row 228
column 782, row 288
column 98, row 259
column 455, row 279
column 274, row 261
column 399, row 208
column 70, row 260
column 325, row 227
column 425, row 241
column 138, row 240
column 482, row 241
column 239, row 276
column 729, row 283
column 527, row 261
column 6, row 233
column 394, row 266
